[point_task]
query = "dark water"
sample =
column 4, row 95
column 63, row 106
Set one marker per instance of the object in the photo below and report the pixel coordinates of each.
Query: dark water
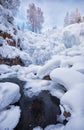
column 41, row 110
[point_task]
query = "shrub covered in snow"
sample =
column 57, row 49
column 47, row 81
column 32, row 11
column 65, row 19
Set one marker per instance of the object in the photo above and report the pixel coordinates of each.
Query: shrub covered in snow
column 70, row 40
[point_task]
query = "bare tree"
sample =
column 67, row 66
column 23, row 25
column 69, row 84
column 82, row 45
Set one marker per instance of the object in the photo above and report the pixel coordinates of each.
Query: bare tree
column 35, row 17
column 77, row 16
column 40, row 19
column 73, row 17
column 66, row 19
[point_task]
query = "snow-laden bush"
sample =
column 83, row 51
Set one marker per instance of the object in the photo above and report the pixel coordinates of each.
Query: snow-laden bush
column 11, row 5
column 40, row 56
column 70, row 39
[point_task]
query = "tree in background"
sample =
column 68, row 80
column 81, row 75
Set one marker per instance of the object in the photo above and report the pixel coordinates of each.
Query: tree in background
column 66, row 19
column 35, row 18
column 78, row 17
column 73, row 17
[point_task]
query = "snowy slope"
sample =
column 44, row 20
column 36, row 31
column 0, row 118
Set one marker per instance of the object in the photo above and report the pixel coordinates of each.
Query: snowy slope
column 38, row 48
column 66, row 41
column 60, row 55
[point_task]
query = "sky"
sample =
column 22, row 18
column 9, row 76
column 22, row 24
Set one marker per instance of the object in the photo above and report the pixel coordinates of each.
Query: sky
column 54, row 11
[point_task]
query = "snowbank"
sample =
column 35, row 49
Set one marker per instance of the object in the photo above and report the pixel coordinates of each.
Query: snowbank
column 67, row 77
column 73, row 100
column 75, row 123
column 48, row 67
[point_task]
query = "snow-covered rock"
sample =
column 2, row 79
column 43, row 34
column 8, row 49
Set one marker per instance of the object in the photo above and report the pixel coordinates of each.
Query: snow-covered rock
column 37, row 128
column 67, row 77
column 79, row 67
column 48, row 67
column 9, row 94
column 7, row 51
column 4, row 69
column 73, row 100
column 9, row 118
column 55, row 127
column 75, row 123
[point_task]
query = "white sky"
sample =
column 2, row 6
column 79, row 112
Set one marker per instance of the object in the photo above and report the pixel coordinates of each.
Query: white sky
column 54, row 11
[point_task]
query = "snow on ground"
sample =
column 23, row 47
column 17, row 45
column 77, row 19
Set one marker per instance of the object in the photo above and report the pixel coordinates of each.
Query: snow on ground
column 79, row 67
column 48, row 67
column 75, row 123
column 34, row 87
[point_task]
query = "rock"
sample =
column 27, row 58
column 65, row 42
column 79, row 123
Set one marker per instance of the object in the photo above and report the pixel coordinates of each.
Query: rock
column 67, row 114
column 47, row 77
column 10, row 40
column 39, row 110
column 14, row 61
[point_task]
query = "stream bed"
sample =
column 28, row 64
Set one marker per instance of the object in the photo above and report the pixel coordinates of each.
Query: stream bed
column 41, row 110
